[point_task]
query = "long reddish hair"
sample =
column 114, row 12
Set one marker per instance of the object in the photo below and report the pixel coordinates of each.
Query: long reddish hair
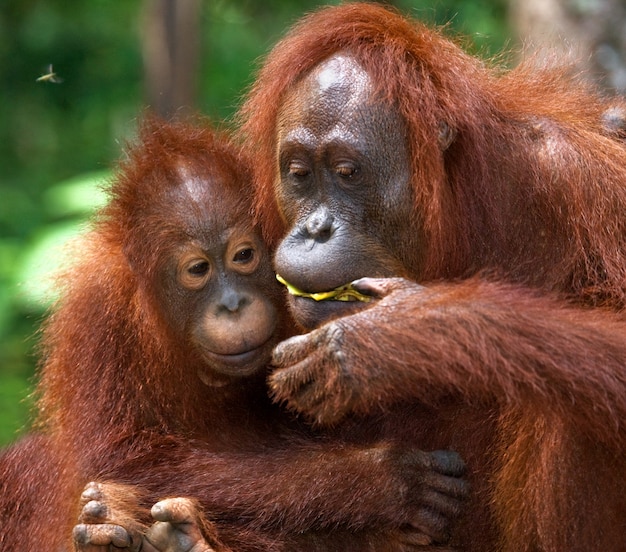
column 107, row 332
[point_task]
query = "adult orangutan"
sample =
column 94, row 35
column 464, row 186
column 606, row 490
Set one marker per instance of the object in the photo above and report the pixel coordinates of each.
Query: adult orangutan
column 485, row 212
column 153, row 383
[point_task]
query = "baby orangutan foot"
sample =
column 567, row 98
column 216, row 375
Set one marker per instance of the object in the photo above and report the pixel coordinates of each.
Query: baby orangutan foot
column 181, row 527
column 110, row 517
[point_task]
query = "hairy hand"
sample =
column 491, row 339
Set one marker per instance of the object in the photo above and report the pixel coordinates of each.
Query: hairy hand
column 324, row 373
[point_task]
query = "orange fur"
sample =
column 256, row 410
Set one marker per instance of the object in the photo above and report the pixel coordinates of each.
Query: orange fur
column 515, row 353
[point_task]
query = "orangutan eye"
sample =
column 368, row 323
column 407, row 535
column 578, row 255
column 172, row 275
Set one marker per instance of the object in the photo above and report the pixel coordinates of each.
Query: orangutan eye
column 194, row 272
column 198, row 269
column 298, row 169
column 346, row 170
column 244, row 256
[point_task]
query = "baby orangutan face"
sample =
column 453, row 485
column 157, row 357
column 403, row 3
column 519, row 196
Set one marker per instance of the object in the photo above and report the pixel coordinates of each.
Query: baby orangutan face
column 216, row 286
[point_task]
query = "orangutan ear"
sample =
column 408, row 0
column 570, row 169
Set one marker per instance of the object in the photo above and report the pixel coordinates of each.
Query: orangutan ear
column 446, row 135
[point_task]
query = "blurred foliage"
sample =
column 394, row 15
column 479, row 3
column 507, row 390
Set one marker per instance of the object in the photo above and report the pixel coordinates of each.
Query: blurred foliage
column 58, row 142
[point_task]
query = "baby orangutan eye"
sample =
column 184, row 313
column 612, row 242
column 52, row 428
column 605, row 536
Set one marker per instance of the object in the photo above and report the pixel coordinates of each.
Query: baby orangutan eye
column 194, row 273
column 198, row 269
column 245, row 259
column 244, row 256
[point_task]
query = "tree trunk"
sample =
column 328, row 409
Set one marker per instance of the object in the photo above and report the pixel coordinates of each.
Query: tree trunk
column 170, row 46
column 593, row 32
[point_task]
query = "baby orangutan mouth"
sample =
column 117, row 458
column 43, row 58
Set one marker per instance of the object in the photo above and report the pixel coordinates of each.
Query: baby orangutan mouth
column 345, row 292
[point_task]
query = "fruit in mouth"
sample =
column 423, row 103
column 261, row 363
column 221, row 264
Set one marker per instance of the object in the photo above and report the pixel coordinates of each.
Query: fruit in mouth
column 345, row 292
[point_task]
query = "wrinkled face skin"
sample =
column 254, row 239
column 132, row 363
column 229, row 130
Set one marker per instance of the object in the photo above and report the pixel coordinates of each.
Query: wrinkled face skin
column 344, row 187
column 218, row 290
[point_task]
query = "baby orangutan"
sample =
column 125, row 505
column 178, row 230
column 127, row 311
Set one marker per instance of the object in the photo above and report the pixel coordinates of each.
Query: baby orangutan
column 153, row 384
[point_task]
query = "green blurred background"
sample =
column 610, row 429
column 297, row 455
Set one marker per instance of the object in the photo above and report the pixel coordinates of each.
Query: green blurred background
column 58, row 141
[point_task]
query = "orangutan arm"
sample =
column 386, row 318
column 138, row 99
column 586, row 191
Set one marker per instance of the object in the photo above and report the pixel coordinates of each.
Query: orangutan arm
column 475, row 340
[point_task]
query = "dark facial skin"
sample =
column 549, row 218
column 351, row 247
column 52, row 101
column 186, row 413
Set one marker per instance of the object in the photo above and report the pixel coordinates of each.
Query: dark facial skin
column 216, row 288
column 344, row 187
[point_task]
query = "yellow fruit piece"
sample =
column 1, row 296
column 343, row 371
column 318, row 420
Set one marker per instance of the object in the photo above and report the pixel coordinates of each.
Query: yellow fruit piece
column 342, row 293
